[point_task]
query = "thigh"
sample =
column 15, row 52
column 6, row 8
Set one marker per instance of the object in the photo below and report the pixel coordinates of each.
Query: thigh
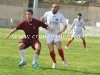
column 57, row 38
column 82, row 35
column 51, row 46
column 35, row 44
column 74, row 35
column 24, row 43
column 59, row 45
column 49, row 39
column 83, row 38
column 21, row 46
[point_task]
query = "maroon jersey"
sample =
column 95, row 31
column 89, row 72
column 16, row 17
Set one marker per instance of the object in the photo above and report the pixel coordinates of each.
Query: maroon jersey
column 31, row 29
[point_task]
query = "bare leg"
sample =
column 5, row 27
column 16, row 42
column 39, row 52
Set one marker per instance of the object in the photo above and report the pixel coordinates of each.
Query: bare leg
column 22, row 54
column 36, row 55
column 52, row 53
column 84, row 43
column 60, row 50
column 61, row 53
column 69, row 41
column 21, row 50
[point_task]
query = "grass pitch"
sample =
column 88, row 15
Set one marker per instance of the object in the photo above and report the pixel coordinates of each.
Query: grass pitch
column 80, row 62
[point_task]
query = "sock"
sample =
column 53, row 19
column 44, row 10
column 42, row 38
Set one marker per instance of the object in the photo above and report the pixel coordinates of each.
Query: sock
column 22, row 54
column 69, row 42
column 61, row 53
column 35, row 58
column 53, row 56
column 84, row 43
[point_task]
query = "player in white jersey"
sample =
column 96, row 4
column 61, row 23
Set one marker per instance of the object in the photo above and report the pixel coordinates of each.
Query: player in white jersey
column 53, row 19
column 77, row 26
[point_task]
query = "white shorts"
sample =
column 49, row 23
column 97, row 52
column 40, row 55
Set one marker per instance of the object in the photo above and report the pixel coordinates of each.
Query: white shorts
column 78, row 35
column 53, row 38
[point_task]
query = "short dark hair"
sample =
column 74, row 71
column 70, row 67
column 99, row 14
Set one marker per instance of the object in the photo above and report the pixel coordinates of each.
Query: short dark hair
column 79, row 14
column 29, row 10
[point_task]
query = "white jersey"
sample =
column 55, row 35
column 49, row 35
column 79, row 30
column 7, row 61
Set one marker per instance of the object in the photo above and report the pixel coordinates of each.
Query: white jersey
column 53, row 21
column 78, row 25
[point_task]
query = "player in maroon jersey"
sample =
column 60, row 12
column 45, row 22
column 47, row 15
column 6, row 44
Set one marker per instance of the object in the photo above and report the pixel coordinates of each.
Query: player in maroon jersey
column 31, row 28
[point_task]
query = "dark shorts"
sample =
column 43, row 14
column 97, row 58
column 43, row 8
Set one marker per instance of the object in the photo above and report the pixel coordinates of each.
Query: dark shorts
column 30, row 42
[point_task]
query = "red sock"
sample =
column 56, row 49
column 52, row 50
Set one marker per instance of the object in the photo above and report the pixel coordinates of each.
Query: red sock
column 84, row 43
column 69, row 42
column 61, row 53
column 53, row 56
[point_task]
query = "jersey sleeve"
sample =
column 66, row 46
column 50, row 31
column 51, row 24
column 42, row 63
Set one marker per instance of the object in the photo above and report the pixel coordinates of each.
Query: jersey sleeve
column 43, row 25
column 63, row 20
column 20, row 26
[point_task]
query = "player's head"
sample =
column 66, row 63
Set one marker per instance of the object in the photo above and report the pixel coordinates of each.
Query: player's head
column 29, row 14
column 79, row 15
column 55, row 8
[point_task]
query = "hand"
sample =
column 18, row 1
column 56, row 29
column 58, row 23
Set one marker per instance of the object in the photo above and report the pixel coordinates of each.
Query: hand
column 50, row 29
column 71, row 28
column 7, row 37
column 84, row 28
column 59, row 33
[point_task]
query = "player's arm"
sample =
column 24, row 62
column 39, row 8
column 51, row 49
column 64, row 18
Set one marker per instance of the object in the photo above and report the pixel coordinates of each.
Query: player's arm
column 64, row 28
column 73, row 24
column 84, row 28
column 45, row 26
column 12, row 31
column 20, row 26
column 83, row 25
column 42, row 19
column 63, row 21
column 50, row 29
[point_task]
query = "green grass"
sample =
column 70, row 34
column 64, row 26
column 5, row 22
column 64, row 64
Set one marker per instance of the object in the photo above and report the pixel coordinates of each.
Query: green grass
column 80, row 62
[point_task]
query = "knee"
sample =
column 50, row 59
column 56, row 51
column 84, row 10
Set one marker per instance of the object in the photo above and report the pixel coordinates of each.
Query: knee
column 71, row 39
column 38, row 47
column 59, row 48
column 21, row 46
column 51, row 49
column 83, row 40
column 38, row 50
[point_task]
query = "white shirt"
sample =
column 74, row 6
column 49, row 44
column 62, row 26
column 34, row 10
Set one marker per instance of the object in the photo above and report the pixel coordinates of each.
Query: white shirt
column 78, row 25
column 53, row 21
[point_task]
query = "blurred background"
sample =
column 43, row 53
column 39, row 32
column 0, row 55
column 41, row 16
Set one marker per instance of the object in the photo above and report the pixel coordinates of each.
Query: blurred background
column 13, row 11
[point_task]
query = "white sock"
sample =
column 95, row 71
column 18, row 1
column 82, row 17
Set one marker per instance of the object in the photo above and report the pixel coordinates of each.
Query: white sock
column 35, row 58
column 22, row 54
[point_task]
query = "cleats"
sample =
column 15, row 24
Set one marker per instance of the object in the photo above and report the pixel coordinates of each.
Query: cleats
column 22, row 63
column 35, row 65
column 66, row 47
column 54, row 65
column 65, row 63
column 85, row 49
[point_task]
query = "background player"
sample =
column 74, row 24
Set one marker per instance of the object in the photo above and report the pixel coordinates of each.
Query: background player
column 77, row 26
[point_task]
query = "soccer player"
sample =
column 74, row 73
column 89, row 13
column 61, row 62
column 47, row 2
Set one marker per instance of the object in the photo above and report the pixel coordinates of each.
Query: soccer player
column 30, row 26
column 53, row 19
column 77, row 26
